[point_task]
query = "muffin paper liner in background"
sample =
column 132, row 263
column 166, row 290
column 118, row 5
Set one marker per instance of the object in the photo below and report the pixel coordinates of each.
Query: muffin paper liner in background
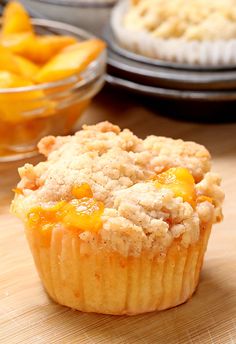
column 76, row 274
column 207, row 53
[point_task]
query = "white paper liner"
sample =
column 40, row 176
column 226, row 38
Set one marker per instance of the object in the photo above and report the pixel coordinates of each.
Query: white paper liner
column 210, row 53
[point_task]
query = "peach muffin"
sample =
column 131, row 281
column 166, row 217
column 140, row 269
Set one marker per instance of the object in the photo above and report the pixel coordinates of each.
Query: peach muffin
column 195, row 32
column 117, row 224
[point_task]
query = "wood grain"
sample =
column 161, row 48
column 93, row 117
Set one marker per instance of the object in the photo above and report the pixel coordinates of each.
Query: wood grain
column 27, row 315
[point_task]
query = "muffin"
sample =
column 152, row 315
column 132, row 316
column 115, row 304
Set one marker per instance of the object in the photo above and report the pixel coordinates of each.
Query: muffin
column 202, row 32
column 117, row 224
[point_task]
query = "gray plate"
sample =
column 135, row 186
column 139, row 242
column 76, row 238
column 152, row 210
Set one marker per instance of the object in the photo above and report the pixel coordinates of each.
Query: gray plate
column 158, row 92
column 109, row 36
column 155, row 76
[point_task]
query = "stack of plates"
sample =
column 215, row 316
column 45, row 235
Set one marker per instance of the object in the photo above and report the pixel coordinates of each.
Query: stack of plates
column 168, row 80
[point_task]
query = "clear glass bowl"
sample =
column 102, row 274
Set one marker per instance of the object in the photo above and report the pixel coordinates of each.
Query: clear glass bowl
column 29, row 113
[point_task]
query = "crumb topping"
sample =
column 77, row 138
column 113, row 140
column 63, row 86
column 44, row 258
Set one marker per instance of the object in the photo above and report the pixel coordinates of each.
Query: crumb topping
column 119, row 167
column 197, row 19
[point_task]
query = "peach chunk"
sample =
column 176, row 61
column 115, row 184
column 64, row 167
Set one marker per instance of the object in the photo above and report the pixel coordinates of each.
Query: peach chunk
column 82, row 190
column 15, row 19
column 10, row 80
column 180, row 181
column 79, row 214
column 70, row 60
column 17, row 106
column 83, row 214
column 42, row 221
column 17, row 43
column 7, row 61
column 41, row 49
column 27, row 68
column 45, row 215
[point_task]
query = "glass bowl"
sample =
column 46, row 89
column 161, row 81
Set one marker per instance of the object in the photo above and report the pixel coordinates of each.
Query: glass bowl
column 29, row 113
column 92, row 15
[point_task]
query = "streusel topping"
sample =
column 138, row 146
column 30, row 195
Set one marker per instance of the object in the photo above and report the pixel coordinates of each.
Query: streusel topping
column 187, row 19
column 119, row 167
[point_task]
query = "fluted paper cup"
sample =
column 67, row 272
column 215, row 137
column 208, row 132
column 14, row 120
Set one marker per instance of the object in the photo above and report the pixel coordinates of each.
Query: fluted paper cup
column 90, row 278
column 202, row 53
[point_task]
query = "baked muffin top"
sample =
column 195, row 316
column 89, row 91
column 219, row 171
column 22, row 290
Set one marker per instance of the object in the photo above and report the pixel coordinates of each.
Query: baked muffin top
column 188, row 19
column 138, row 210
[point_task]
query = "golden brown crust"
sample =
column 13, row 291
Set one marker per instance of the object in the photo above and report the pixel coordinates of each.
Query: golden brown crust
column 103, row 127
column 50, row 143
column 46, row 145
column 106, row 143
column 117, row 164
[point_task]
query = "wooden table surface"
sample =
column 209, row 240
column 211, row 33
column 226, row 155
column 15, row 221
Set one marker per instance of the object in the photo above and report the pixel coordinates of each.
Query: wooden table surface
column 27, row 315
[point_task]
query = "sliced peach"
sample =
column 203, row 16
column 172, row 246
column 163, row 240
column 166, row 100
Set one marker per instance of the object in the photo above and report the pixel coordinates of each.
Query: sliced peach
column 17, row 43
column 42, row 221
column 79, row 214
column 83, row 214
column 82, row 190
column 44, row 215
column 10, row 80
column 8, row 62
column 15, row 19
column 180, row 181
column 19, row 106
column 70, row 60
column 27, row 68
column 40, row 49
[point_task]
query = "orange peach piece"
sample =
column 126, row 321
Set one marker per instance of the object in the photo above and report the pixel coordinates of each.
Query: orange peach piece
column 15, row 19
column 19, row 106
column 82, row 190
column 10, row 80
column 40, row 216
column 40, row 49
column 83, row 214
column 71, row 60
column 17, row 43
column 42, row 220
column 79, row 214
column 7, row 61
column 27, row 68
column 180, row 181
column 9, row 109
column 16, row 65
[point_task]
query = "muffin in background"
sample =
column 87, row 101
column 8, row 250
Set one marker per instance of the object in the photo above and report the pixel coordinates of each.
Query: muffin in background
column 202, row 33
column 118, row 236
